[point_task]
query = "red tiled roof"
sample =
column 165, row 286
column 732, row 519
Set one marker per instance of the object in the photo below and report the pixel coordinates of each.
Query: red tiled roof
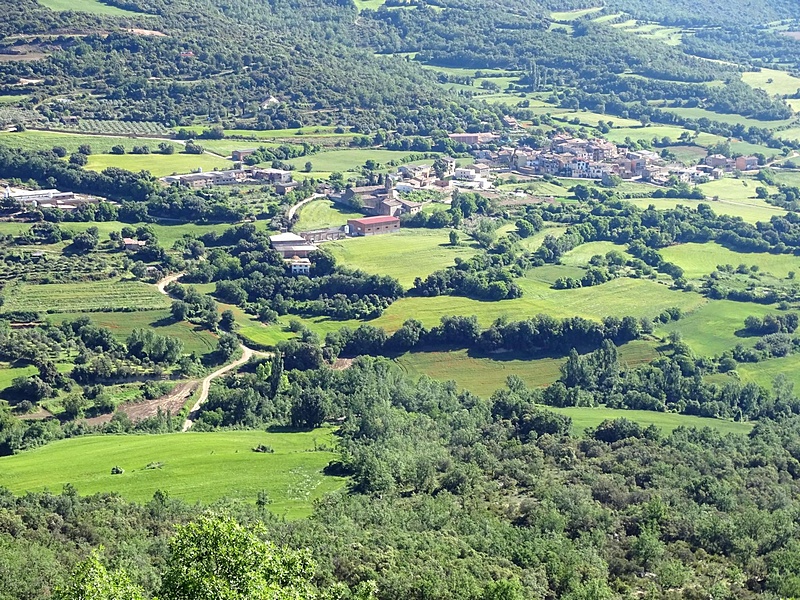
column 374, row 220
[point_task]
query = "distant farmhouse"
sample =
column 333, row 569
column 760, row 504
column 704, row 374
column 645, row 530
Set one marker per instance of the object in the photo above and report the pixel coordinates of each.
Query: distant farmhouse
column 373, row 225
column 291, row 245
column 50, row 198
column 280, row 178
column 378, row 200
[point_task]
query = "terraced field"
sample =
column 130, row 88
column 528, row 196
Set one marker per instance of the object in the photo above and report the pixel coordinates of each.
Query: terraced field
column 82, row 297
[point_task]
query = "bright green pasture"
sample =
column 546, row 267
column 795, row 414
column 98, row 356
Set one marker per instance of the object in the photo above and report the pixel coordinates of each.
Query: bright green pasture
column 80, row 297
column 571, row 15
column 738, row 190
column 749, row 211
column 618, row 134
column 196, row 467
column 592, row 118
column 701, row 259
column 731, row 119
column 405, row 255
column 788, row 177
column 581, row 255
column 121, row 324
column 159, row 165
column 90, row 6
column 347, row 160
column 712, row 329
column 747, row 148
column 9, row 373
column 619, row 297
column 320, row 214
column 764, row 373
column 45, row 140
column 583, row 417
column 483, row 375
column 773, row 81
column 688, row 155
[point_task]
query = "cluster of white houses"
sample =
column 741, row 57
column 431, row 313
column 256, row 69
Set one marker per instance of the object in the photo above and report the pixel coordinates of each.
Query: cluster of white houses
column 49, row 198
column 566, row 156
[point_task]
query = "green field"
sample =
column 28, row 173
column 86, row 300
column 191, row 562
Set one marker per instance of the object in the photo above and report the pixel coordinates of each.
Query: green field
column 45, row 140
column 81, row 297
column 347, row 160
column 591, row 417
column 158, row 164
column 321, row 214
column 90, row 6
column 711, row 329
column 9, row 373
column 121, row 324
column 405, row 255
column 619, row 297
column 750, row 211
column 483, row 375
column 773, row 81
column 764, row 373
column 271, row 134
column 701, row 259
column 581, row 255
column 197, row 467
column 731, row 119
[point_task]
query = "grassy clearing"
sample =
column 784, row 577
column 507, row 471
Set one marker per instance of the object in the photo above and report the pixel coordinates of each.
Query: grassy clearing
column 618, row 134
column 788, row 177
column 8, row 373
column 581, row 255
column 765, row 372
column 483, row 375
column 122, row 324
column 45, row 140
column 405, row 255
column 731, row 119
column 197, row 467
column 347, row 160
column 689, row 155
column 592, row 118
column 773, row 81
column 89, row 6
column 750, row 212
column 320, row 214
column 80, row 297
column 738, row 190
column 583, row 418
column 572, row 15
column 701, row 259
column 712, row 329
column 158, row 164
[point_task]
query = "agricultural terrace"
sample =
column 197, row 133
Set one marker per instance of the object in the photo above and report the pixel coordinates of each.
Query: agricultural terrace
column 325, row 163
column 483, row 374
column 765, row 372
column 272, row 134
column 82, row 297
column 731, row 119
column 321, row 214
column 405, row 255
column 697, row 260
column 191, row 466
column 749, row 211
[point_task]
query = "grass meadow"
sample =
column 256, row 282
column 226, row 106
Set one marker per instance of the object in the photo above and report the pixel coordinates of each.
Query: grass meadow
column 101, row 144
column 483, row 374
column 195, row 467
column 701, row 259
column 321, row 214
column 773, row 81
column 159, row 165
column 346, row 160
column 89, row 6
column 764, row 373
column 405, row 255
column 82, row 297
column 749, row 211
column 121, row 324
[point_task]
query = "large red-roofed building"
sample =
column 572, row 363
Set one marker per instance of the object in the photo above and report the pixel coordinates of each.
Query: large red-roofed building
column 374, row 225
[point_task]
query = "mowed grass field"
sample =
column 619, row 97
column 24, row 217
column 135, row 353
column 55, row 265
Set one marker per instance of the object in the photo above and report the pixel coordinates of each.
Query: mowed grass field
column 82, row 297
column 159, row 165
column 321, row 214
column 122, row 324
column 764, row 373
column 749, row 211
column 90, row 6
column 773, row 81
column 701, row 259
column 405, row 255
column 347, row 160
column 580, row 256
column 483, row 375
column 583, row 418
column 45, row 140
column 196, row 467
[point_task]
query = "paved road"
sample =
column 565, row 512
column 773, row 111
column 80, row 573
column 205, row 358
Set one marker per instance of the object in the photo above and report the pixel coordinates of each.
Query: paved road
column 297, row 206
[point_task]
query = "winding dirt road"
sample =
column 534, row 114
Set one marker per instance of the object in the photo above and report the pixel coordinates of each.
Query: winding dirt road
column 247, row 353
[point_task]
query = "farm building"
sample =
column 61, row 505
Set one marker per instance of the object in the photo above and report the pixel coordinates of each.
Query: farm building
column 299, row 266
column 238, row 155
column 373, row 225
column 291, row 245
column 133, row 245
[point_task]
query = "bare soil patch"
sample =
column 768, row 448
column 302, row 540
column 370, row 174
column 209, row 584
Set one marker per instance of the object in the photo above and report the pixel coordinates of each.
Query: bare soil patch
column 138, row 411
